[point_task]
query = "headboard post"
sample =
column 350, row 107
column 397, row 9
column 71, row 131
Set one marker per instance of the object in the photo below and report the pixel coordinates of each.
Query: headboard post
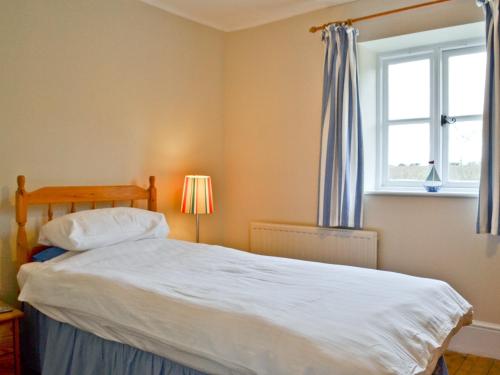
column 21, row 218
column 152, row 194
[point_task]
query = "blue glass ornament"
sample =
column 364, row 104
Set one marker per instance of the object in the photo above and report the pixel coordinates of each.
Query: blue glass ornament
column 432, row 183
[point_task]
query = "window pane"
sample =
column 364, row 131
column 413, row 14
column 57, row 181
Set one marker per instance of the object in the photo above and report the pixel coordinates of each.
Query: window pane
column 409, row 149
column 465, row 151
column 466, row 84
column 409, row 89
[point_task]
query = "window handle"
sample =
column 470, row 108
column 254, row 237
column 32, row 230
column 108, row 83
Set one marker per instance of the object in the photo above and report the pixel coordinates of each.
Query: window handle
column 445, row 120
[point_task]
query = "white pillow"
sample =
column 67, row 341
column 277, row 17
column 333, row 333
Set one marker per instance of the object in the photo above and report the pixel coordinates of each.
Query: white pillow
column 91, row 229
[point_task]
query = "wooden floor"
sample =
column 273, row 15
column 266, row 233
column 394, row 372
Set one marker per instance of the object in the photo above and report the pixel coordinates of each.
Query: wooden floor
column 467, row 364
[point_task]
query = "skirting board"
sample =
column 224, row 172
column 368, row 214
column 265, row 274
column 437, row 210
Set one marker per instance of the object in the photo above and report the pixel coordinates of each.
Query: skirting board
column 480, row 338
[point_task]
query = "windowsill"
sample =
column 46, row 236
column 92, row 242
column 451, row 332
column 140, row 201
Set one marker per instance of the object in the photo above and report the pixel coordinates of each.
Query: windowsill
column 415, row 192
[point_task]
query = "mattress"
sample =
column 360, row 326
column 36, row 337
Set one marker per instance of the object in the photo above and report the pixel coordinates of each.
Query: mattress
column 277, row 315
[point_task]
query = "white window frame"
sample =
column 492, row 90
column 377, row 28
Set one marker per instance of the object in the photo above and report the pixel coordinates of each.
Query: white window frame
column 438, row 54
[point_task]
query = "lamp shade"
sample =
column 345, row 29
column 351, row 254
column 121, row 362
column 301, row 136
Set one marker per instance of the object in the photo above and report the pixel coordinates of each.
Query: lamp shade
column 197, row 195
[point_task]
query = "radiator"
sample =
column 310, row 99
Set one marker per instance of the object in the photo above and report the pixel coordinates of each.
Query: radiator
column 339, row 246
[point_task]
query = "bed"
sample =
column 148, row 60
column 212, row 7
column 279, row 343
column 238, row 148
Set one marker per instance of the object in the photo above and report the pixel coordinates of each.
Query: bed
column 160, row 306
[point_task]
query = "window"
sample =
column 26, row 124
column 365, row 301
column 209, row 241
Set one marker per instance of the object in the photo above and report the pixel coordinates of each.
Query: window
column 415, row 90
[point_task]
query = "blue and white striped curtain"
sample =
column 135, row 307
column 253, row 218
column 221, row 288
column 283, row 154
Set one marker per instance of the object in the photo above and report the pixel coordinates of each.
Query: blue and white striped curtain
column 488, row 220
column 341, row 164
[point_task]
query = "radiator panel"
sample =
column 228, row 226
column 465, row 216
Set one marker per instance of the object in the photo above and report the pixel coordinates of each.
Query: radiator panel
column 339, row 246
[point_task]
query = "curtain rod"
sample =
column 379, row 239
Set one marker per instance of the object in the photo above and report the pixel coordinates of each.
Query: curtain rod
column 376, row 15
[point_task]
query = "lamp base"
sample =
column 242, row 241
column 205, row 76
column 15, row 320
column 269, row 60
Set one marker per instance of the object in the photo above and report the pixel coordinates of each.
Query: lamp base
column 197, row 228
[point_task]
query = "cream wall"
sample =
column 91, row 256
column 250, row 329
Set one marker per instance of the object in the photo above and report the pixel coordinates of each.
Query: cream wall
column 272, row 104
column 107, row 92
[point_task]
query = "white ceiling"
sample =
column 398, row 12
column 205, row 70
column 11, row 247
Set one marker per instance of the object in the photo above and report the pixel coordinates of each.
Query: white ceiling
column 231, row 15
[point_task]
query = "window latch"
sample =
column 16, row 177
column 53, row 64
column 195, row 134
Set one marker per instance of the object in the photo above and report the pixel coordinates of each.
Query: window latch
column 445, row 120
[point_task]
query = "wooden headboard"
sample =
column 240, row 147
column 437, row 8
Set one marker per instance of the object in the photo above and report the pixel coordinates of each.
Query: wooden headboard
column 71, row 195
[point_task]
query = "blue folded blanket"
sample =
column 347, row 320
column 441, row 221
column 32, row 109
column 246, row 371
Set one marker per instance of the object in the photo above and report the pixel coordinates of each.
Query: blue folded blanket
column 48, row 254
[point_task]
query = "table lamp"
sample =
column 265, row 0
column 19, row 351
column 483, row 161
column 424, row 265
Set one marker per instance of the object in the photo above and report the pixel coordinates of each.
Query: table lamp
column 197, row 198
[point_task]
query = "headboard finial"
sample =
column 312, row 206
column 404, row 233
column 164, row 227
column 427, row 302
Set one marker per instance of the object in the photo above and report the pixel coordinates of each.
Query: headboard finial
column 21, row 182
column 152, row 194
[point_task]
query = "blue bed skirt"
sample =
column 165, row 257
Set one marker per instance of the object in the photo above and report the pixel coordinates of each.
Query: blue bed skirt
column 54, row 348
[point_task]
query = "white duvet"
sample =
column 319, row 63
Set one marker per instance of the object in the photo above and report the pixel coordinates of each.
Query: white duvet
column 224, row 311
